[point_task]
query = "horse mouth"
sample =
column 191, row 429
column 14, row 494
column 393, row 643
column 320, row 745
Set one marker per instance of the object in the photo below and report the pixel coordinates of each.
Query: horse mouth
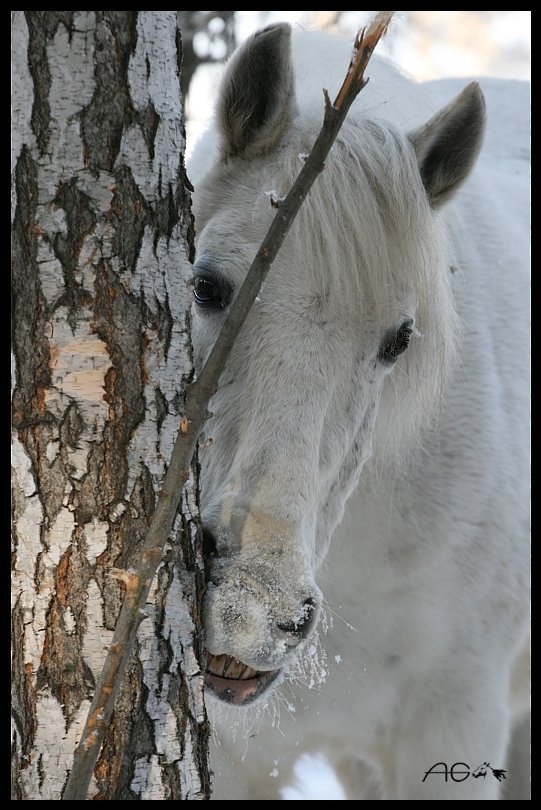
column 234, row 682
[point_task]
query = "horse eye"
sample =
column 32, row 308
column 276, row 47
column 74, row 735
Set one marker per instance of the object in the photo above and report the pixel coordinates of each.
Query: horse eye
column 398, row 342
column 207, row 295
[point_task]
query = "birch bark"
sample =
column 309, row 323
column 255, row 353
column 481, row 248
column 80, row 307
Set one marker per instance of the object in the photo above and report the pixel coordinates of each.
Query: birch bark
column 102, row 240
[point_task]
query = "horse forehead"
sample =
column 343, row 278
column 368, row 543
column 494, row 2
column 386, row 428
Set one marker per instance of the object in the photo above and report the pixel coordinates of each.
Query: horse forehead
column 339, row 253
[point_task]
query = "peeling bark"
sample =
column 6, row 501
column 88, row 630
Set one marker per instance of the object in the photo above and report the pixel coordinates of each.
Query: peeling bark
column 101, row 245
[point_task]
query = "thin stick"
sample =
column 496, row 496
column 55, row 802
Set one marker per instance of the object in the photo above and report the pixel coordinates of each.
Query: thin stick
column 365, row 43
column 139, row 577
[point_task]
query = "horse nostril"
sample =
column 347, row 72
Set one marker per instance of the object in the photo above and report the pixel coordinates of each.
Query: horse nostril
column 302, row 626
column 209, row 543
column 210, row 549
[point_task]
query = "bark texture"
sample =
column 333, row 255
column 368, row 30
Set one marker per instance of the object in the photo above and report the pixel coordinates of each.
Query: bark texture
column 102, row 240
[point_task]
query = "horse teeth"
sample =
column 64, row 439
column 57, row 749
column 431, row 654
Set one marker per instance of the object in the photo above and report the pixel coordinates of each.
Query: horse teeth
column 248, row 673
column 229, row 662
column 237, row 669
column 225, row 666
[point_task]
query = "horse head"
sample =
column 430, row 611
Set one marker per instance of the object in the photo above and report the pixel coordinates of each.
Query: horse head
column 343, row 354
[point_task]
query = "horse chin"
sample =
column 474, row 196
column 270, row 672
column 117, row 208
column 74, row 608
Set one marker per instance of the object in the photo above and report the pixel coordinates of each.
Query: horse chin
column 235, row 683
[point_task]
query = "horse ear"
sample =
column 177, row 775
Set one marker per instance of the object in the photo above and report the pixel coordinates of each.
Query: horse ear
column 448, row 145
column 256, row 99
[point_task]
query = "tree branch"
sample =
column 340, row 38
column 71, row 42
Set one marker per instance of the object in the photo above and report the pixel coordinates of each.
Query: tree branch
column 138, row 578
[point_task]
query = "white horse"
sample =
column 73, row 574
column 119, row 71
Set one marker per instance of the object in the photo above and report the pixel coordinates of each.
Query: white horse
column 367, row 459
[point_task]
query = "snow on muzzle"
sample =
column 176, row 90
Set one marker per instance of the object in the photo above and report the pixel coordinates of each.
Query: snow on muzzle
column 258, row 609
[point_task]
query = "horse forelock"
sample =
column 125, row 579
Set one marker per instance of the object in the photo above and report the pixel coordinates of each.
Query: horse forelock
column 379, row 242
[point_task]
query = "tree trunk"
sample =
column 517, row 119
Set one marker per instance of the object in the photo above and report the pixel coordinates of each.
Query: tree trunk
column 102, row 239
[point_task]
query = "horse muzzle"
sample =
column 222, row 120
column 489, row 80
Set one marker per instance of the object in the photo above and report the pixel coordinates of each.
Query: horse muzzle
column 257, row 611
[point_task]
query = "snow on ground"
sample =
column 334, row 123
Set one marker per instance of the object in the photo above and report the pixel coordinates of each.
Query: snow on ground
column 313, row 779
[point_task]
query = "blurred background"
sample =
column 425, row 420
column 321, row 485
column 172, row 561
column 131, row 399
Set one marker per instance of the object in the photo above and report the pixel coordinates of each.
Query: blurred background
column 425, row 44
